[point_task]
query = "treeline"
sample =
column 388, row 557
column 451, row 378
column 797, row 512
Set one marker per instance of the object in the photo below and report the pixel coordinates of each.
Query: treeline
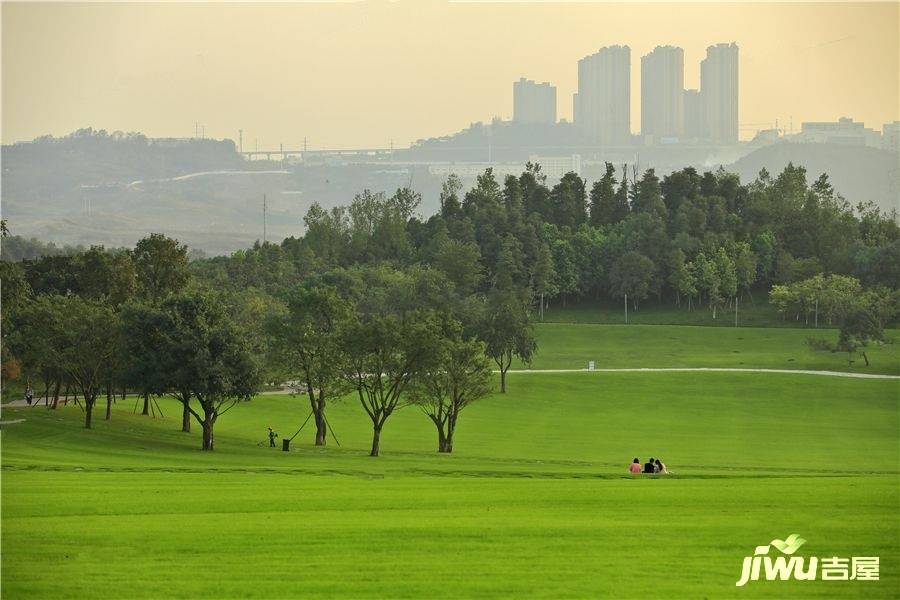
column 689, row 238
column 103, row 322
column 49, row 166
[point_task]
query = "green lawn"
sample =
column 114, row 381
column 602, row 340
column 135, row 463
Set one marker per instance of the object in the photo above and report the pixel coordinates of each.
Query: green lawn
column 755, row 313
column 534, row 501
column 571, row 346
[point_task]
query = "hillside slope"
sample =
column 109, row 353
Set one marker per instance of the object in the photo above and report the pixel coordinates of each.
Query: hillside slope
column 859, row 174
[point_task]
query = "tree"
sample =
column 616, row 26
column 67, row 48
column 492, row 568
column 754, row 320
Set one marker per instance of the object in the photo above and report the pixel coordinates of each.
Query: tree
column 308, row 340
column 450, row 205
column 82, row 330
column 150, row 364
column 207, row 358
column 681, row 278
column 215, row 358
column 726, row 274
column 858, row 328
column 461, row 375
column 543, row 276
column 648, row 196
column 507, row 332
column 461, row 263
column 631, row 276
column 707, row 276
column 569, row 201
column 161, row 266
column 745, row 266
column 384, row 353
column 620, row 200
column 603, row 195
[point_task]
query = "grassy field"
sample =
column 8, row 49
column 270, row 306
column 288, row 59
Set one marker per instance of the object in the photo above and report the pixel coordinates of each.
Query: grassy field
column 571, row 346
column 534, row 501
column 757, row 313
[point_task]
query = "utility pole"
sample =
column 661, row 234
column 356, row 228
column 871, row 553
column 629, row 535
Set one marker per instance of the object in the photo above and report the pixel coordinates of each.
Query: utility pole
column 736, row 311
column 817, row 313
column 626, row 309
column 265, row 208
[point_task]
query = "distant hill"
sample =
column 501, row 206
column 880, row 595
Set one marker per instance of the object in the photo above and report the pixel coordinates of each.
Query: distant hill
column 859, row 174
column 93, row 187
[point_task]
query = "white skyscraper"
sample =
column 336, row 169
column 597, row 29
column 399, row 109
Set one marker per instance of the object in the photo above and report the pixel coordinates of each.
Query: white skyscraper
column 719, row 93
column 534, row 102
column 602, row 105
column 662, row 93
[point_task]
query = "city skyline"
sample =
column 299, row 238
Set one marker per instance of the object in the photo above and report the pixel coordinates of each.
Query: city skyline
column 351, row 75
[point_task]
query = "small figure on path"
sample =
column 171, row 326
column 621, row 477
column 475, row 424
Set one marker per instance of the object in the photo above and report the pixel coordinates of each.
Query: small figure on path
column 635, row 467
column 29, row 395
column 272, row 436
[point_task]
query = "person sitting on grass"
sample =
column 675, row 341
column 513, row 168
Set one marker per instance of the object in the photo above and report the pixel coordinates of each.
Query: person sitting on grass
column 635, row 467
column 661, row 467
column 650, row 467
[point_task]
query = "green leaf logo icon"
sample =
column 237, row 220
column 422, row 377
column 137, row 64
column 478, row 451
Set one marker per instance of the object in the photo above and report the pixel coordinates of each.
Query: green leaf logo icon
column 789, row 545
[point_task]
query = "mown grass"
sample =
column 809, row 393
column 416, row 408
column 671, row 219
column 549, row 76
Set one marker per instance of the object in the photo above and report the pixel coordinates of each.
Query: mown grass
column 571, row 346
column 752, row 312
column 534, row 502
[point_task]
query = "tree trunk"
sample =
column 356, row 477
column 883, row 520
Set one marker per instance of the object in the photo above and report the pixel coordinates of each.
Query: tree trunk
column 185, row 418
column 56, row 394
column 502, row 380
column 146, row 410
column 448, row 439
column 376, row 439
column 865, row 358
column 321, row 427
column 208, row 439
column 109, row 395
column 442, row 439
column 88, row 412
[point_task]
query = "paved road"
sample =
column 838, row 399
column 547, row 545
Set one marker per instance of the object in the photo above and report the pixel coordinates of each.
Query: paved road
column 711, row 369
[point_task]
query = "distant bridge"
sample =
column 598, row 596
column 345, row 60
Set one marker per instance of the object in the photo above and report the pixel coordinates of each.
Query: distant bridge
column 282, row 154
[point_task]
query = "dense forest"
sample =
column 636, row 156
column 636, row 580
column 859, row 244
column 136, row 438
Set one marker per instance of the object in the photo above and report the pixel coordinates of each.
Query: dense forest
column 374, row 300
column 688, row 238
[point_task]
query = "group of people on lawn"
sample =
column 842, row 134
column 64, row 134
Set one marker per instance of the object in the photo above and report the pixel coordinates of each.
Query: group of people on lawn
column 651, row 467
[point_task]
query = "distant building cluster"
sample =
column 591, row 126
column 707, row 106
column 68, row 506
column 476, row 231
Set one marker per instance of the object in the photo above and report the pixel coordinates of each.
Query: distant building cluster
column 848, row 132
column 669, row 112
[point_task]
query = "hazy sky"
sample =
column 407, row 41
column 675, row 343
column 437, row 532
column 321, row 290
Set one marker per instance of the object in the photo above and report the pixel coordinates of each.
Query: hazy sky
column 361, row 74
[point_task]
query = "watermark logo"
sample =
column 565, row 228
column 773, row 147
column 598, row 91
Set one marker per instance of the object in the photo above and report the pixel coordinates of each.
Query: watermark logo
column 786, row 566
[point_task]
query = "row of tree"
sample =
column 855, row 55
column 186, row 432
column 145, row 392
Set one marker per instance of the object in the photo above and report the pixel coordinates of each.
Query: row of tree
column 861, row 314
column 136, row 319
column 686, row 238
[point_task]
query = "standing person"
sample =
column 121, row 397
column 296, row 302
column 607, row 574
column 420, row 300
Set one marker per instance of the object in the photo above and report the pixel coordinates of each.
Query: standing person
column 272, row 436
column 29, row 395
column 661, row 467
column 650, row 466
column 635, row 467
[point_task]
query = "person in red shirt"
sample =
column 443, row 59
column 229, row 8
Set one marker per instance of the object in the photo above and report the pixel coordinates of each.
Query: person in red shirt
column 635, row 467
